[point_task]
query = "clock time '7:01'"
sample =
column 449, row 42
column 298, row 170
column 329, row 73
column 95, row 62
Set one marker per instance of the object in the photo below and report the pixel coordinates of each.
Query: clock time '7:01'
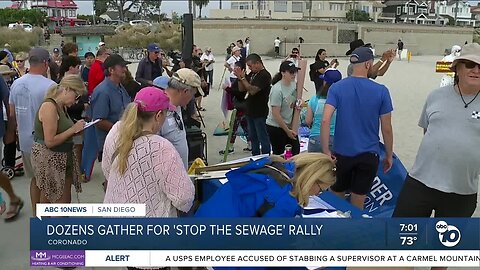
column 409, row 227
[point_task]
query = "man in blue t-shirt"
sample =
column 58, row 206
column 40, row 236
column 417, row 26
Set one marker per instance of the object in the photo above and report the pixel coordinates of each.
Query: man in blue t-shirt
column 361, row 105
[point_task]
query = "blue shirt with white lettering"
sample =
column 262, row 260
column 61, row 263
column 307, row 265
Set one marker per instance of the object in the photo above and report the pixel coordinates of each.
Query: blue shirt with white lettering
column 359, row 103
column 108, row 103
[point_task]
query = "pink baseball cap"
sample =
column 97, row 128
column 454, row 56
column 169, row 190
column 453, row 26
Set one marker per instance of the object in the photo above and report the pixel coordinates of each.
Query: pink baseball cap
column 152, row 99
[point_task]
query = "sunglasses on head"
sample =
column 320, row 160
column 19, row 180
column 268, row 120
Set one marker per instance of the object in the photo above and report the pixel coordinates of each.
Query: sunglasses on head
column 470, row 64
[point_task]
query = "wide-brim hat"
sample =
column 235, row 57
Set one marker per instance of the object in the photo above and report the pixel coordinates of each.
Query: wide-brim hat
column 5, row 70
column 357, row 44
column 470, row 52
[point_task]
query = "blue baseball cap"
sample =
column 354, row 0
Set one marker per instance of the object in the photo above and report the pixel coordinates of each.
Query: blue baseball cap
column 161, row 82
column 153, row 47
column 360, row 55
column 331, row 76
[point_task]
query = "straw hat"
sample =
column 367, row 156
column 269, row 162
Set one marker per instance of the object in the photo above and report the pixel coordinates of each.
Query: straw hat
column 5, row 70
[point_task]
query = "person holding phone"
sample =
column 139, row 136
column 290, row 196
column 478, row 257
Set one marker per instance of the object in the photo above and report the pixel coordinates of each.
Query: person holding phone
column 319, row 67
column 53, row 158
column 294, row 56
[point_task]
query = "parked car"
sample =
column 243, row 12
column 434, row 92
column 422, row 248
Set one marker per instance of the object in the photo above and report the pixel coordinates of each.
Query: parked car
column 25, row 26
column 140, row 22
column 115, row 22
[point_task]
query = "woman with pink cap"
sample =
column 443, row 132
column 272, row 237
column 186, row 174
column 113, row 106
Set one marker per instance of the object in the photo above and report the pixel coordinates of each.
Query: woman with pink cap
column 142, row 167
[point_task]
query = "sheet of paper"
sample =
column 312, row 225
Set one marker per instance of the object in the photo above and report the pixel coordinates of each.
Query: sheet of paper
column 223, row 180
column 324, row 214
column 244, row 159
column 316, row 203
column 89, row 124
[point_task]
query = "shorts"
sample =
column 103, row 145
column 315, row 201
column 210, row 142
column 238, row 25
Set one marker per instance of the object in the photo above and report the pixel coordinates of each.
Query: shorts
column 418, row 200
column 27, row 165
column 356, row 174
column 78, row 139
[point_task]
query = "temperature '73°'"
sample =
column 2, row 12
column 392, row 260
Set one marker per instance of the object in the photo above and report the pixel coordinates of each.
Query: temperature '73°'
column 408, row 240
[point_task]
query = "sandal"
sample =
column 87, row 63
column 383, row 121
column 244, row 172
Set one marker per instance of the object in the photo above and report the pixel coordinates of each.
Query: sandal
column 12, row 214
column 201, row 109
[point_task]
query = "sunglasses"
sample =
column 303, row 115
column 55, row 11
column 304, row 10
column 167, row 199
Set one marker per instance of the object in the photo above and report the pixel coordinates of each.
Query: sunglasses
column 178, row 120
column 470, row 64
column 176, row 77
column 19, row 61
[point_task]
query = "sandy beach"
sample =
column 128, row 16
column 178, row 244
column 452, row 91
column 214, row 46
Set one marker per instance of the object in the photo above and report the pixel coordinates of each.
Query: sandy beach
column 409, row 85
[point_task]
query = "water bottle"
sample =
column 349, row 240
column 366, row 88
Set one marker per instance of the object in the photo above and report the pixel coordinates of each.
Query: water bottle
column 288, row 152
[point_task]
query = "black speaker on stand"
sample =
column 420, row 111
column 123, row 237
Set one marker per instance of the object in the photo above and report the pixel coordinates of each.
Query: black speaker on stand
column 187, row 39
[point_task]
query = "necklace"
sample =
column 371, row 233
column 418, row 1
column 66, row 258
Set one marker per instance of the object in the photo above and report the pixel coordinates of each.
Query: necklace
column 461, row 96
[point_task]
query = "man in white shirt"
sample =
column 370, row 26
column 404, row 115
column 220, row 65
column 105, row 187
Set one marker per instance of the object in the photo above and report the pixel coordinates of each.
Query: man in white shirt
column 26, row 95
column 230, row 64
column 276, row 43
column 208, row 59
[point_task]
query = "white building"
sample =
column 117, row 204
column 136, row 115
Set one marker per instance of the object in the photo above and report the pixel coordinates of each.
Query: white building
column 463, row 15
column 335, row 10
column 55, row 9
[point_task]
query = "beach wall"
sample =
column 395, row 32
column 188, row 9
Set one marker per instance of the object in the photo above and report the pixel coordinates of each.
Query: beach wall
column 332, row 36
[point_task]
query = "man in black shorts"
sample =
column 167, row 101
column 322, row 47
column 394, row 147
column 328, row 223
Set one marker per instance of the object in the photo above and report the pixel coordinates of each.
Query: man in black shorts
column 361, row 104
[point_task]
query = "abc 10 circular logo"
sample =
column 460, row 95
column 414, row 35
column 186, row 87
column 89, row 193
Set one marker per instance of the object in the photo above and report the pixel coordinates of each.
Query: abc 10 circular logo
column 448, row 235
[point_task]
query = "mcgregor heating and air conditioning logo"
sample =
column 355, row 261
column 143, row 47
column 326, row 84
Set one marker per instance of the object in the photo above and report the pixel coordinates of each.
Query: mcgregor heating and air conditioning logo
column 40, row 256
column 448, row 235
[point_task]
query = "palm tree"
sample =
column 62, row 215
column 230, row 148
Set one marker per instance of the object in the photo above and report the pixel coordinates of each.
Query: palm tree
column 201, row 4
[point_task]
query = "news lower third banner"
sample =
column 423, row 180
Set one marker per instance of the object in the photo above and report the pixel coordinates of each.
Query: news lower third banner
column 286, row 242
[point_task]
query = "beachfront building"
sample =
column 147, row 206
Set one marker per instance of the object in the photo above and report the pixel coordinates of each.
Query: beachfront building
column 411, row 11
column 333, row 10
column 475, row 10
column 459, row 11
column 66, row 9
column 59, row 12
column 429, row 12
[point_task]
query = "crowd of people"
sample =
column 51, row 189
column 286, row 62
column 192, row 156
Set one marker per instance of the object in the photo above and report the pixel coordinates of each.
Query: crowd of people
column 47, row 106
column 271, row 102
column 140, row 136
